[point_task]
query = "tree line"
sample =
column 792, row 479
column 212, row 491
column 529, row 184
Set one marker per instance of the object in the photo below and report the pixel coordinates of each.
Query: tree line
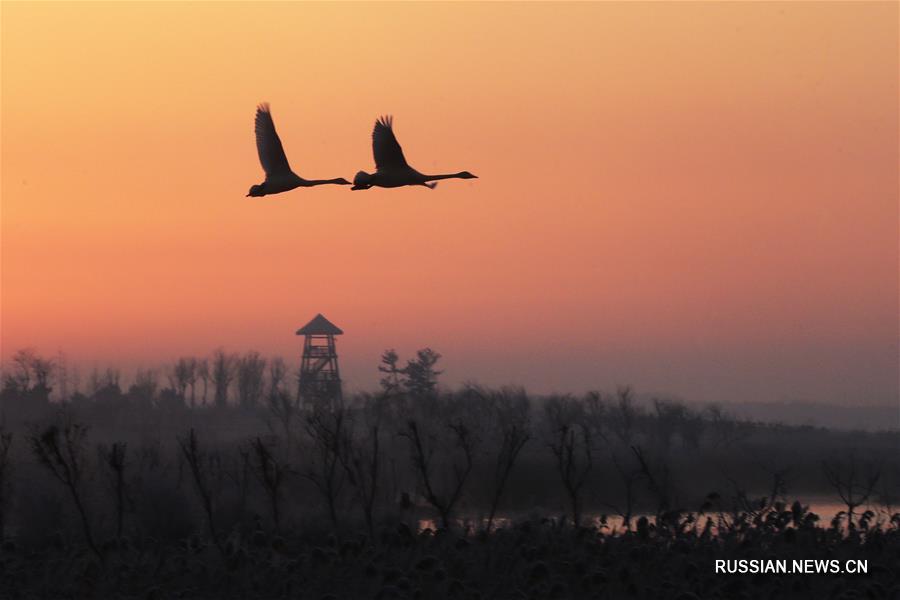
column 407, row 450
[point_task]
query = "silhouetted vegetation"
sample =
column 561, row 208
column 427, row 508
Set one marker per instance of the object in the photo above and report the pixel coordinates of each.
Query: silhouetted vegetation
column 412, row 490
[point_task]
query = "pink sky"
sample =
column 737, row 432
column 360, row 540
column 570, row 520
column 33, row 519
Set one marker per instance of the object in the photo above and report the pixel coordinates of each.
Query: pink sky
column 694, row 198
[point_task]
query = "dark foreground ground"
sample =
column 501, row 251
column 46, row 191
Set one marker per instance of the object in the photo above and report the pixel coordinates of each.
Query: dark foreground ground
column 146, row 494
column 532, row 559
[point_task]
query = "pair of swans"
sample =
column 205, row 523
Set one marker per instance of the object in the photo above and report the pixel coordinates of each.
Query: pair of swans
column 392, row 170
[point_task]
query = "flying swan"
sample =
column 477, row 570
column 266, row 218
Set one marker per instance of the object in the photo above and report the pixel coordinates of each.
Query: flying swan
column 392, row 169
column 279, row 176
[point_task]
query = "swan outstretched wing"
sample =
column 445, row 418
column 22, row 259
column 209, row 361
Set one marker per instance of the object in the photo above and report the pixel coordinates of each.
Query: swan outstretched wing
column 271, row 153
column 387, row 151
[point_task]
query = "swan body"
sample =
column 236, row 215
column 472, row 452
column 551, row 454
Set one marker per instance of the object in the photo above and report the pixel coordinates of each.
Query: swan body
column 392, row 170
column 279, row 176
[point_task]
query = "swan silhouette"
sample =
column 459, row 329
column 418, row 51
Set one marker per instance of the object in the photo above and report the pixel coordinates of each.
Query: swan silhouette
column 392, row 169
column 279, row 176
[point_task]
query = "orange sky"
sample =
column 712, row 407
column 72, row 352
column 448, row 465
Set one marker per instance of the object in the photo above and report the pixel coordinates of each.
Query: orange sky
column 697, row 198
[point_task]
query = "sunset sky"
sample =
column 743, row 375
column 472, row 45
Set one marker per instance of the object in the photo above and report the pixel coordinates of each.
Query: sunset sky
column 698, row 199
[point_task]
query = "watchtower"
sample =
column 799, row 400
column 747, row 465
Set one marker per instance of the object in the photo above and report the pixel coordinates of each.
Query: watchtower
column 320, row 379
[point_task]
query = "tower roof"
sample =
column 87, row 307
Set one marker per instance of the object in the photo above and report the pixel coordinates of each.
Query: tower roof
column 319, row 326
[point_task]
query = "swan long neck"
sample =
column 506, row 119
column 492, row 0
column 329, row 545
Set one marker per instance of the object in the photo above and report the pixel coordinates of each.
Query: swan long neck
column 311, row 182
column 447, row 176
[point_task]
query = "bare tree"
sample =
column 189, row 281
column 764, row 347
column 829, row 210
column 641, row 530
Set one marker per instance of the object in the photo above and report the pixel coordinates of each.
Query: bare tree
column 183, row 375
column 443, row 430
column 569, row 439
column 511, row 430
column 277, row 374
column 61, row 371
column 191, row 369
column 31, row 370
column 279, row 401
column 659, row 480
column 597, row 414
column 251, row 369
column 223, row 368
column 361, row 455
column 43, row 369
column 113, row 459
column 238, row 468
column 205, row 469
column 61, row 452
column 203, row 374
column 628, row 477
column 778, row 488
column 271, row 474
column 31, row 374
column 20, row 377
column 325, row 426
column 669, row 418
column 854, row 481
column 624, row 416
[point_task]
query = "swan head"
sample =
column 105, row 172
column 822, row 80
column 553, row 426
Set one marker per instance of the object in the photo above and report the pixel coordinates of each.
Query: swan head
column 466, row 175
column 341, row 181
column 256, row 190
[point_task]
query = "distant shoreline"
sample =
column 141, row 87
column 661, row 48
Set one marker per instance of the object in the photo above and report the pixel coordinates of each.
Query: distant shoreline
column 831, row 416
